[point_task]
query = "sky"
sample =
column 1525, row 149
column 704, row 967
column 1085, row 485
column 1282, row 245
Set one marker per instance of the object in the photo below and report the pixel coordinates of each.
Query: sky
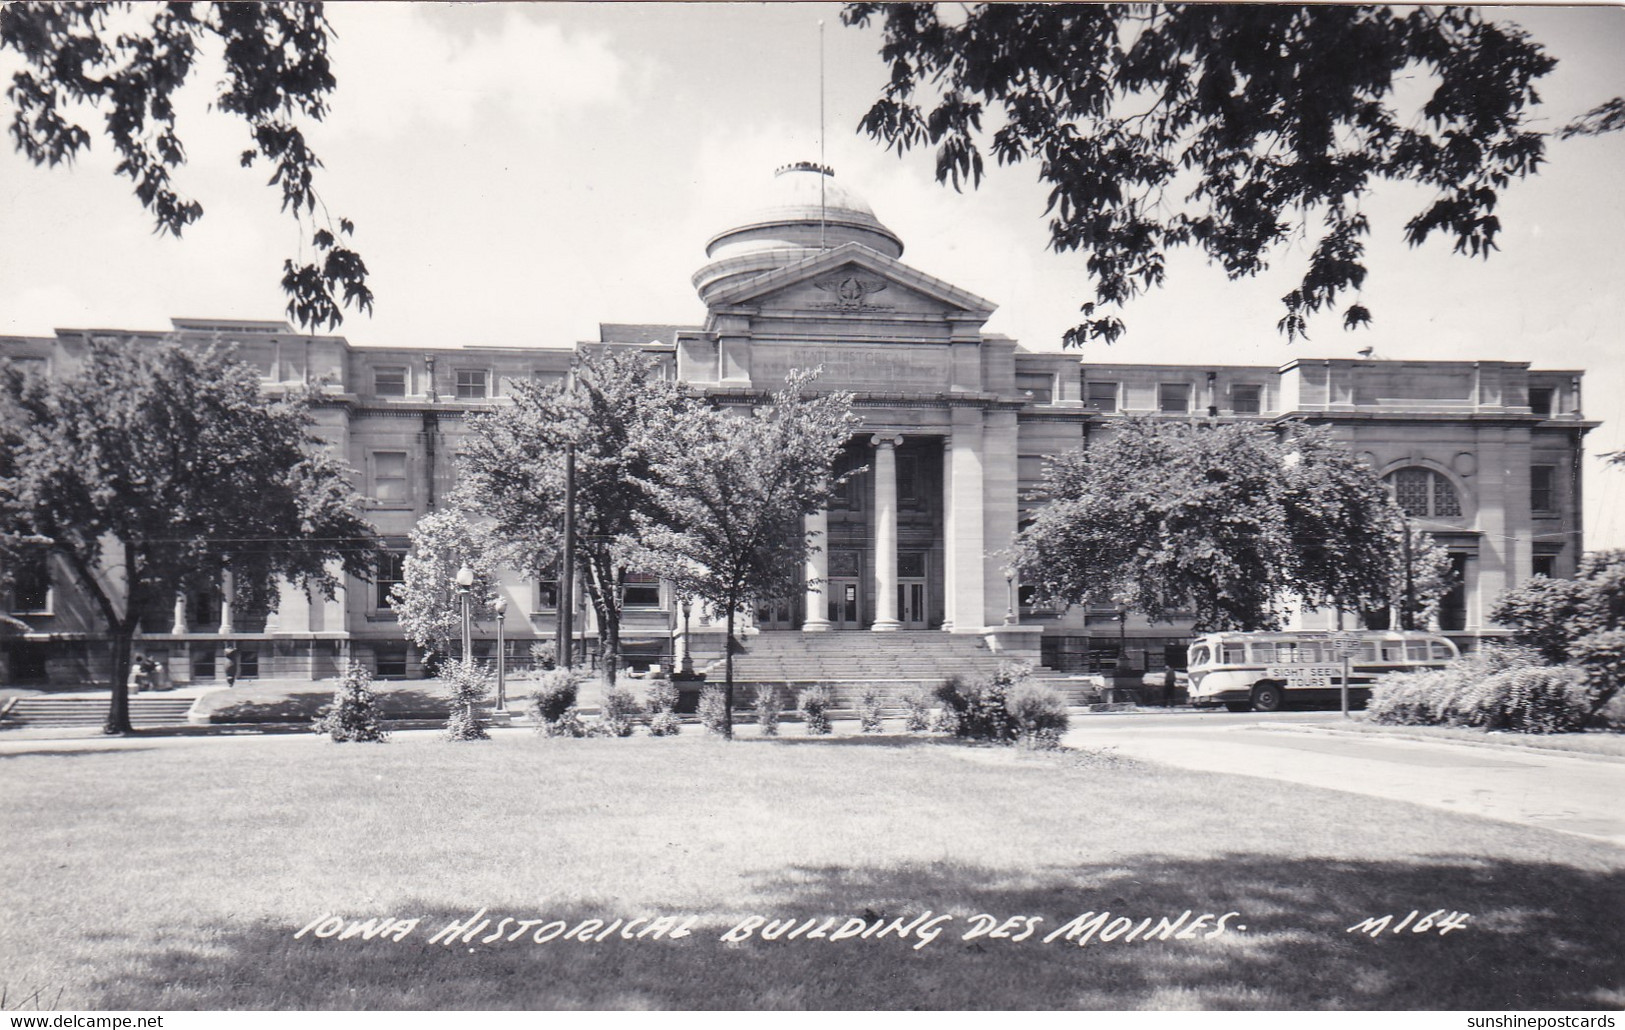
column 518, row 173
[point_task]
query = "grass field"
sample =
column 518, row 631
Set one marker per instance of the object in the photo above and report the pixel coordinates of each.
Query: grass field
column 175, row 874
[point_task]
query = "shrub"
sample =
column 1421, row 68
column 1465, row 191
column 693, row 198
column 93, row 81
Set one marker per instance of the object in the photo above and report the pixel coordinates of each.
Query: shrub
column 767, row 709
column 545, row 654
column 1602, row 656
column 1495, row 688
column 553, row 705
column 469, row 682
column 662, row 702
column 713, row 709
column 620, row 712
column 870, row 701
column 1039, row 713
column 916, row 709
column 983, row 708
column 814, row 705
column 354, row 714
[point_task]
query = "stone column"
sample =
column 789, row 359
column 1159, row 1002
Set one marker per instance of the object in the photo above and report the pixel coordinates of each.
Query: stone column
column 964, row 546
column 948, row 563
column 179, row 626
column 886, row 534
column 817, row 616
column 226, row 584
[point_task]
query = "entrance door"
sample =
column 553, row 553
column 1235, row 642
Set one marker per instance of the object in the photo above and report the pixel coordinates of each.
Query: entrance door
column 844, row 610
column 776, row 615
column 911, row 592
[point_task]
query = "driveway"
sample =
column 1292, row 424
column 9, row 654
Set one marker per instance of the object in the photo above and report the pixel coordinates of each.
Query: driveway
column 1577, row 794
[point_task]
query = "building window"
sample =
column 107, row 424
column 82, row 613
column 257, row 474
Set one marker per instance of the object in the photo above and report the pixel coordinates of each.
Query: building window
column 1100, row 396
column 31, row 586
column 389, row 661
column 1424, row 493
column 471, row 384
column 1545, row 565
column 1247, row 399
column 205, row 611
column 547, row 591
column 1543, row 488
column 640, row 590
column 1174, row 398
column 391, row 570
column 1453, row 606
column 389, row 381
column 1037, row 387
column 389, row 476
column 1542, row 399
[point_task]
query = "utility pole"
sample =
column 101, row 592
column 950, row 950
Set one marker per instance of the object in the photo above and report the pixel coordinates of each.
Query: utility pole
column 567, row 570
column 1408, row 616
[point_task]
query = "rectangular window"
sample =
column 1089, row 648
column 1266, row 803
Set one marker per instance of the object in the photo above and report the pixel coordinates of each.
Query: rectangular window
column 389, row 476
column 1543, row 488
column 1247, row 399
column 1546, row 565
column 1100, row 396
column 389, row 381
column 909, row 493
column 391, row 570
column 389, row 661
column 471, row 384
column 1174, row 398
column 1541, row 400
column 31, row 585
column 1037, row 387
column 640, row 590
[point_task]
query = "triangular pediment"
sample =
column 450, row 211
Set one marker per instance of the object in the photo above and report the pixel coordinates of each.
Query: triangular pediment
column 852, row 278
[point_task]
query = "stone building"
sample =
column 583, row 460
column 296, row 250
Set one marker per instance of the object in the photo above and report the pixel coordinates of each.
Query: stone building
column 1485, row 455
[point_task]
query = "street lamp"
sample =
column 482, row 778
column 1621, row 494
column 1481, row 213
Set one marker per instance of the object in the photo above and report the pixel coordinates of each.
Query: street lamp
column 501, row 607
column 465, row 581
column 685, row 665
column 1009, row 597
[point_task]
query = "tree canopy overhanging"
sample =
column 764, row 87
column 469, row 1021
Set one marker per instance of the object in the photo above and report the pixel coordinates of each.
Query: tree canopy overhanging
column 1227, row 525
column 152, row 471
column 1234, row 128
column 276, row 73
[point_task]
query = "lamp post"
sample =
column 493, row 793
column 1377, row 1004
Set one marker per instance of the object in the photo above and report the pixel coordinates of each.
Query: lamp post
column 1009, row 597
column 685, row 664
column 465, row 582
column 501, row 607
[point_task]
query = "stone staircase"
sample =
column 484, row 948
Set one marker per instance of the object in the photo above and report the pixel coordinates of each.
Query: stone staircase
column 62, row 713
column 850, row 661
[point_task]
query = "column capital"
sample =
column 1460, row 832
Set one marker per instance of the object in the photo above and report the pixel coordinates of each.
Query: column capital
column 885, row 440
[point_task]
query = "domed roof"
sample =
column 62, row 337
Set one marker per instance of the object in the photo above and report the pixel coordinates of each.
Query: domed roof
column 805, row 211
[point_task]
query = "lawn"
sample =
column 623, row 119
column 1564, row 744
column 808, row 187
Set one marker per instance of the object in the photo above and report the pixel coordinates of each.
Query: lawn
column 178, row 873
column 1607, row 743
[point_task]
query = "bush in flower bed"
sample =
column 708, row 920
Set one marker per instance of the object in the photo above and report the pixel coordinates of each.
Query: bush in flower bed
column 553, row 705
column 870, row 707
column 916, row 709
column 767, row 709
column 662, row 701
column 620, row 713
column 814, row 704
column 470, row 683
column 713, row 709
column 354, row 714
column 1039, row 713
column 1494, row 688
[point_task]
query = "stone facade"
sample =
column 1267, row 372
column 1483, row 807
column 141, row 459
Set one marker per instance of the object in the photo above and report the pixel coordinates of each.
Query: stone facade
column 957, row 424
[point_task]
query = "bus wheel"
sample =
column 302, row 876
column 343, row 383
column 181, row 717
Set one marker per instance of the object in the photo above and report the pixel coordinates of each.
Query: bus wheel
column 1267, row 697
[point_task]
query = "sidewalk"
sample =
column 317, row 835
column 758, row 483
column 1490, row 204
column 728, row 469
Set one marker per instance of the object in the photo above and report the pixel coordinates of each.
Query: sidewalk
column 1551, row 790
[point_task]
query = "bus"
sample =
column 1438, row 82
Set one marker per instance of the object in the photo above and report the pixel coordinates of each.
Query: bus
column 1264, row 672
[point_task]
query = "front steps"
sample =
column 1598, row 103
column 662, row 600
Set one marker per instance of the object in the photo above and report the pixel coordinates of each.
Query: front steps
column 65, row 713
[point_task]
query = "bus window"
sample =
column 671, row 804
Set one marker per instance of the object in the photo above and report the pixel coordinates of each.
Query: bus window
column 1365, row 651
column 1232, row 654
column 1198, row 656
column 1264, row 653
column 1416, row 650
column 1393, row 651
column 1441, row 651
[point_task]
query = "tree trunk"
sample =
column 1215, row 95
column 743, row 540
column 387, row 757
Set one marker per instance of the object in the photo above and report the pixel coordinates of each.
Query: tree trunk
column 728, row 679
column 118, row 709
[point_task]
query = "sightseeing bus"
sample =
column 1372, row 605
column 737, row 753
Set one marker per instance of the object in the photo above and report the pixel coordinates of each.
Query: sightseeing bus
column 1266, row 671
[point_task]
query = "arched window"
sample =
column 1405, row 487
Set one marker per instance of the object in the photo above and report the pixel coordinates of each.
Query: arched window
column 1424, row 493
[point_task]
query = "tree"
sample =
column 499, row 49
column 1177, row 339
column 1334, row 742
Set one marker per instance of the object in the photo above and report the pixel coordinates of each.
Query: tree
column 1241, row 129
column 727, row 493
column 427, row 604
column 127, row 61
column 1579, row 621
column 611, row 408
column 153, row 470
column 1232, row 522
column 1421, row 578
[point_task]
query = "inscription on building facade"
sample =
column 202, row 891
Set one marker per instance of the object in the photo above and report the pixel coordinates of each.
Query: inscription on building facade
column 890, row 368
